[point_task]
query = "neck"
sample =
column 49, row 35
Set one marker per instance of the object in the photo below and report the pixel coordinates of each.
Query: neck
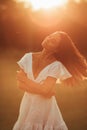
column 47, row 55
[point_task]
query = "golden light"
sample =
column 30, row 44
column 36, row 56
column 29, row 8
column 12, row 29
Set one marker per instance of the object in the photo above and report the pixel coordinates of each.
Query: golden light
column 43, row 4
column 78, row 1
column 44, row 12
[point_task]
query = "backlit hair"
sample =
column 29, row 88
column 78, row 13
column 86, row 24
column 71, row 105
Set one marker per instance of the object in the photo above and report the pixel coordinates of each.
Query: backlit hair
column 72, row 59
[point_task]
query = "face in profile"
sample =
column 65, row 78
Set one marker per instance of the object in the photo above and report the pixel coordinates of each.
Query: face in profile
column 52, row 41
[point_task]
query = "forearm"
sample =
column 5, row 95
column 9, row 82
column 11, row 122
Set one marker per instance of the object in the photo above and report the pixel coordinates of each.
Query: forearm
column 28, row 89
column 37, row 87
column 40, row 92
column 46, row 88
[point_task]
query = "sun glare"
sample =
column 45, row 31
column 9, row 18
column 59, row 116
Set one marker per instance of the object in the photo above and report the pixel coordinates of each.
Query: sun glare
column 43, row 4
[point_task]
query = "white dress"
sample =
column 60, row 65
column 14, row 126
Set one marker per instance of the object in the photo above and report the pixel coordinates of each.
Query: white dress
column 36, row 111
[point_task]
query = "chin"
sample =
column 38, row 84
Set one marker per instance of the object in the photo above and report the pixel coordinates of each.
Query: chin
column 44, row 44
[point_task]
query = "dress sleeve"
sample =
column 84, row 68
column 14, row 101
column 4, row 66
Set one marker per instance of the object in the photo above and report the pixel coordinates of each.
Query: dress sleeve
column 23, row 62
column 59, row 71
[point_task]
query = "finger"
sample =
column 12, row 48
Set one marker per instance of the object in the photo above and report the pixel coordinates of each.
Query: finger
column 21, row 85
column 21, row 74
column 17, row 71
column 21, row 79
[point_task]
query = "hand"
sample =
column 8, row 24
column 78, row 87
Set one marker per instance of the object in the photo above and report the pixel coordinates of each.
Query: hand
column 22, row 80
column 21, row 76
column 21, row 85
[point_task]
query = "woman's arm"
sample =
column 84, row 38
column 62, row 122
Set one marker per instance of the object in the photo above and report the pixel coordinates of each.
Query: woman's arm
column 47, row 88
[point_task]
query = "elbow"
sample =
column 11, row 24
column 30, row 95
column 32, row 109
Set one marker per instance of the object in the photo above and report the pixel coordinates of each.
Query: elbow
column 48, row 93
column 45, row 90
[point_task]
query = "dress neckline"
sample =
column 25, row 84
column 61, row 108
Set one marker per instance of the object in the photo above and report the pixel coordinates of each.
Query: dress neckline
column 41, row 70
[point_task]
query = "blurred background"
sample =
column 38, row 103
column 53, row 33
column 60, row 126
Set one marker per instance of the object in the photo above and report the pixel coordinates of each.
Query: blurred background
column 23, row 26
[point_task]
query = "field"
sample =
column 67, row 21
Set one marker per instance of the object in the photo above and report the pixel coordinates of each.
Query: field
column 71, row 100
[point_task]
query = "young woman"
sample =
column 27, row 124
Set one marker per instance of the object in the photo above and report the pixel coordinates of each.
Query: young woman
column 39, row 71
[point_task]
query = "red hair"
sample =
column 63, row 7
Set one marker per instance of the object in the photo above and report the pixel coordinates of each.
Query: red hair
column 71, row 58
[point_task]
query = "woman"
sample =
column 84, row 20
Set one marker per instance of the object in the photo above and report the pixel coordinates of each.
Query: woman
column 59, row 60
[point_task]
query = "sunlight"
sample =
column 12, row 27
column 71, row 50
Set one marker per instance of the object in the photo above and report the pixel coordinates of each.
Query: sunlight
column 78, row 1
column 43, row 4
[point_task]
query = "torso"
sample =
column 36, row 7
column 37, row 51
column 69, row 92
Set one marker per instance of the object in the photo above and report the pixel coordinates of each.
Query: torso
column 39, row 64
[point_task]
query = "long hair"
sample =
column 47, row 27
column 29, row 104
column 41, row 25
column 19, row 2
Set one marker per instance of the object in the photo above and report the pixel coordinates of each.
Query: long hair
column 72, row 59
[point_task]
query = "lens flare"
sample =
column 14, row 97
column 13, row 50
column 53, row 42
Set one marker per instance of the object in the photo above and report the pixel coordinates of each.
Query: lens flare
column 43, row 4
